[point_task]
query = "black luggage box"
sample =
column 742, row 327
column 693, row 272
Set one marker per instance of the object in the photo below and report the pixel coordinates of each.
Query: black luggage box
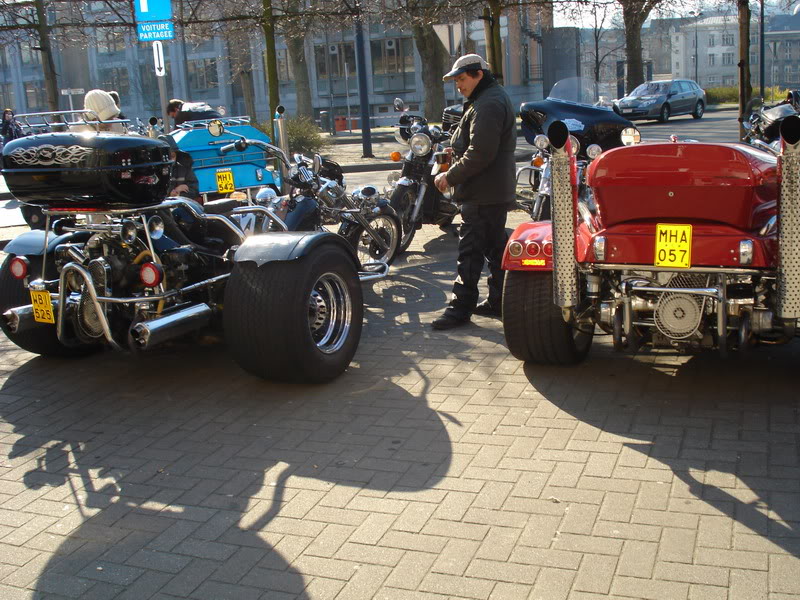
column 85, row 171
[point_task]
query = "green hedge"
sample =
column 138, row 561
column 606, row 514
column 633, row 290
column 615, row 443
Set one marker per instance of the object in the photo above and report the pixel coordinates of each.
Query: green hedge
column 304, row 135
column 730, row 94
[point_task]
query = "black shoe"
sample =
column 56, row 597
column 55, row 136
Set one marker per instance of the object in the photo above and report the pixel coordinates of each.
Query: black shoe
column 484, row 309
column 448, row 322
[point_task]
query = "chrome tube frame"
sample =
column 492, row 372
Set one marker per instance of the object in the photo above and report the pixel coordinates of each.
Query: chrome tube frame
column 62, row 303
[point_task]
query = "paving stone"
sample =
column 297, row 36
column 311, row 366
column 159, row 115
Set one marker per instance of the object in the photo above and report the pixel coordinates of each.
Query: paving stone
column 595, row 573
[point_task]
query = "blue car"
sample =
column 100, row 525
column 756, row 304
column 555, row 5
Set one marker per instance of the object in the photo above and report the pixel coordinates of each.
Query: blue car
column 219, row 174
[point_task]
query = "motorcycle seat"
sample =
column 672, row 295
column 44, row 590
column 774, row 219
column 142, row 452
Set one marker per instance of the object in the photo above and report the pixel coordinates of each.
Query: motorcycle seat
column 220, row 207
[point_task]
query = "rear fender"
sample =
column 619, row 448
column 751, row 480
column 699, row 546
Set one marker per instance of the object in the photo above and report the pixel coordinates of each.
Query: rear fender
column 31, row 243
column 288, row 245
column 531, row 235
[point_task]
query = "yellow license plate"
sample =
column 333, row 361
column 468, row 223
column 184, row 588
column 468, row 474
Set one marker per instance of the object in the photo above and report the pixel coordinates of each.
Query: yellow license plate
column 673, row 246
column 42, row 307
column 225, row 184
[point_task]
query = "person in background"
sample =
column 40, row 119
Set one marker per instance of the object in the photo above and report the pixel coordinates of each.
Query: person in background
column 115, row 96
column 101, row 104
column 182, row 111
column 484, row 176
column 10, row 129
column 183, row 181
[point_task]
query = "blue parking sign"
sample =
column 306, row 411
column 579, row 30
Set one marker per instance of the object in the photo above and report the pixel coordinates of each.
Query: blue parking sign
column 151, row 32
column 153, row 10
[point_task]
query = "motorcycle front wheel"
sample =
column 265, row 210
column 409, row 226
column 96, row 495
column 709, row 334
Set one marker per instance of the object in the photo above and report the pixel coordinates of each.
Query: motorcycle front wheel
column 387, row 227
column 402, row 201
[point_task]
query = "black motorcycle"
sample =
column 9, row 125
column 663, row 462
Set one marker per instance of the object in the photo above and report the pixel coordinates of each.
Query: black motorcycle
column 763, row 126
column 413, row 195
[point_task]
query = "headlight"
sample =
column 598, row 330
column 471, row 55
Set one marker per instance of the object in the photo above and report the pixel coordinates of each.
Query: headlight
column 649, row 102
column 541, row 142
column 593, row 151
column 574, row 145
column 746, row 252
column 420, row 144
column 128, row 231
column 630, row 136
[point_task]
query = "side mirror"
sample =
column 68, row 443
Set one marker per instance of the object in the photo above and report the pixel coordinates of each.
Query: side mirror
column 316, row 166
column 216, row 128
column 153, row 121
column 399, row 105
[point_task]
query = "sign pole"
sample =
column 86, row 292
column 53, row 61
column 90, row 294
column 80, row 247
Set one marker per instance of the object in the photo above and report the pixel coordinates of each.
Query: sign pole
column 162, row 93
column 161, row 71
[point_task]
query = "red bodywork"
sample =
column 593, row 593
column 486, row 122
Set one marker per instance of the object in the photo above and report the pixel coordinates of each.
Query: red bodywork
column 727, row 192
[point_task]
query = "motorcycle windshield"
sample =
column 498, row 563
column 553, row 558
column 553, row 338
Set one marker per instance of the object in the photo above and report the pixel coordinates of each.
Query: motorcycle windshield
column 585, row 110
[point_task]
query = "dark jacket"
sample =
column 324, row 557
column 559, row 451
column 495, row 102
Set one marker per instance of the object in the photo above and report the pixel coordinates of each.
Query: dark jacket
column 182, row 172
column 195, row 111
column 484, row 142
column 10, row 130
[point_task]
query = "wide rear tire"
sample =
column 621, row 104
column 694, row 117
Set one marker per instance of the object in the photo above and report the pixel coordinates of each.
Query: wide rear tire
column 534, row 328
column 41, row 339
column 277, row 316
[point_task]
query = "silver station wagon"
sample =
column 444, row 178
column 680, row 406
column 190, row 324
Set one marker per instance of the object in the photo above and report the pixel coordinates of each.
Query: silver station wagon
column 663, row 99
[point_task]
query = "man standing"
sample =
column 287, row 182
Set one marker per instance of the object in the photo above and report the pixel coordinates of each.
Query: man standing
column 190, row 111
column 483, row 175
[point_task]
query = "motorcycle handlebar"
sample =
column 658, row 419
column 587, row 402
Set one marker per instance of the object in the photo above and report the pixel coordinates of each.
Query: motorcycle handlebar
column 268, row 148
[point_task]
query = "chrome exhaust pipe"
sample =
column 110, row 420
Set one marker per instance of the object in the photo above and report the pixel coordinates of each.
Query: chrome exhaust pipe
column 147, row 334
column 21, row 319
column 788, row 303
column 565, row 268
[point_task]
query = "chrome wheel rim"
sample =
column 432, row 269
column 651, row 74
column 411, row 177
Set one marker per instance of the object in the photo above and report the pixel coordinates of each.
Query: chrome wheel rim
column 330, row 311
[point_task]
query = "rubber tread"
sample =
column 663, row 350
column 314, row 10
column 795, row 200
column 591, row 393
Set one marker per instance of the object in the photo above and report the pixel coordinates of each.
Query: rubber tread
column 534, row 328
column 266, row 320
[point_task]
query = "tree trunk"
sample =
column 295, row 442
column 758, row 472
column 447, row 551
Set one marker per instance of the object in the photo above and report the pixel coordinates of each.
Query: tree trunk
column 302, row 84
column 246, row 79
column 497, row 65
column 48, row 66
column 270, row 58
column 745, row 87
column 434, row 57
column 633, row 20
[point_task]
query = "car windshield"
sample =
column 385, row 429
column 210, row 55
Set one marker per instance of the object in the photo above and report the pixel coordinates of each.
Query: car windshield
column 651, row 88
column 580, row 91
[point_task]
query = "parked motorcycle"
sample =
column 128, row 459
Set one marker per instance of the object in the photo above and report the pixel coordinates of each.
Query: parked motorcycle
column 121, row 265
column 413, row 195
column 591, row 125
column 763, row 126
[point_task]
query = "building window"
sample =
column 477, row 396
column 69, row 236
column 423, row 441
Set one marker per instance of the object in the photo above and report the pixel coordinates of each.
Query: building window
column 712, row 59
column 6, row 95
column 285, row 73
column 110, row 41
column 727, row 58
column 35, row 96
column 788, row 49
column 711, row 40
column 727, row 39
column 341, row 57
column 115, row 78
column 29, row 56
column 392, row 64
column 754, row 59
column 202, row 74
column 728, row 81
column 677, row 66
column 754, row 40
column 694, row 42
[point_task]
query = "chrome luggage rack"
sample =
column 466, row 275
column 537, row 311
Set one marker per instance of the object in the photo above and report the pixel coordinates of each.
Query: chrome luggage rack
column 203, row 123
column 58, row 121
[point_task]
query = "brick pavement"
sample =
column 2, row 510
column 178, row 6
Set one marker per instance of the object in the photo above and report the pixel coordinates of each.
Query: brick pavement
column 437, row 467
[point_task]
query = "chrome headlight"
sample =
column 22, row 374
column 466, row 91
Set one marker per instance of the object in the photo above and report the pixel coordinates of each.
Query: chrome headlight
column 593, row 151
column 630, row 136
column 420, row 144
column 128, row 231
column 541, row 142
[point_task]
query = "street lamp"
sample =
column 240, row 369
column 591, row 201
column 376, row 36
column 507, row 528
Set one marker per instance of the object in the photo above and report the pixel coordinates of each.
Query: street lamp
column 696, row 15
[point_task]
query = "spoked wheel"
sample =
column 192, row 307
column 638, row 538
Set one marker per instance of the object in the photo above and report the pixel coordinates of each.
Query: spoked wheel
column 402, row 201
column 296, row 320
column 699, row 109
column 368, row 250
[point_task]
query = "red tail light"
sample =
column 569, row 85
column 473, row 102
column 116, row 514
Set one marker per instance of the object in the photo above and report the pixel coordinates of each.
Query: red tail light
column 533, row 248
column 18, row 267
column 548, row 248
column 151, row 274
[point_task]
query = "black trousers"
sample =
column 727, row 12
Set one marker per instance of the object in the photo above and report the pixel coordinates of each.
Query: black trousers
column 483, row 237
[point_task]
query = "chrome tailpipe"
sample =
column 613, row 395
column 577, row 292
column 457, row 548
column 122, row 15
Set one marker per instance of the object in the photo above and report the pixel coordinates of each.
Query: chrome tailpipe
column 21, row 319
column 147, row 334
column 565, row 268
column 788, row 302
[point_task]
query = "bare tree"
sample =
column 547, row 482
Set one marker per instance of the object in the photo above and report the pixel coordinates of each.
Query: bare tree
column 634, row 14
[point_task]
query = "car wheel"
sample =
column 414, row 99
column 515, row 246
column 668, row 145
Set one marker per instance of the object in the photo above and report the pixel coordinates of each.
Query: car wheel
column 663, row 116
column 699, row 110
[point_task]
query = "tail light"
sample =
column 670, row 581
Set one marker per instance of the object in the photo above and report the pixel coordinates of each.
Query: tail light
column 515, row 249
column 151, row 274
column 18, row 267
column 533, row 249
column 547, row 248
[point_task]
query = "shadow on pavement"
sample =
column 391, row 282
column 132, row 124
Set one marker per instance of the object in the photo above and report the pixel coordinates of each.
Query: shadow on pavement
column 177, row 473
column 727, row 429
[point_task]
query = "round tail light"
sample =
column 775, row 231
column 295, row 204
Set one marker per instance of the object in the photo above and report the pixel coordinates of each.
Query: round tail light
column 151, row 274
column 18, row 267
column 533, row 248
column 547, row 247
column 515, row 249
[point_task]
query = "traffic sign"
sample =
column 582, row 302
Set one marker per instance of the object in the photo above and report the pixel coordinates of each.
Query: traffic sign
column 153, row 10
column 71, row 91
column 158, row 59
column 150, row 32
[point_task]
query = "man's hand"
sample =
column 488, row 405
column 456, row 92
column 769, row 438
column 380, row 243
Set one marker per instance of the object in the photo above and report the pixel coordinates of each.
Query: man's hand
column 180, row 189
column 441, row 182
